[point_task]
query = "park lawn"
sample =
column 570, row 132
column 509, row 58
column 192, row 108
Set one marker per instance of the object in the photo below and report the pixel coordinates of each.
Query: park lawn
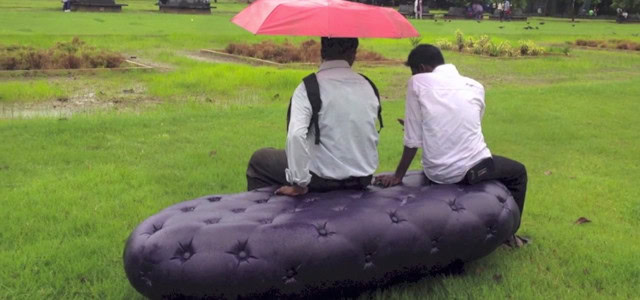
column 72, row 187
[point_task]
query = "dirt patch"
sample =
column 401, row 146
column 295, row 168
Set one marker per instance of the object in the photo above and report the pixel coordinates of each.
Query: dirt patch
column 82, row 102
column 306, row 52
column 609, row 44
column 72, row 55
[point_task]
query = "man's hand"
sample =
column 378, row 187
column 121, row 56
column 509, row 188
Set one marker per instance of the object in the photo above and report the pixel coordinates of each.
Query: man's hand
column 387, row 180
column 292, row 190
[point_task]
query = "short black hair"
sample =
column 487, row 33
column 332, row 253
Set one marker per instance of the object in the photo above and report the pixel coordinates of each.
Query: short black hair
column 337, row 48
column 425, row 54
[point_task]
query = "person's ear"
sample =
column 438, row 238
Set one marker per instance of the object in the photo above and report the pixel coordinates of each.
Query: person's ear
column 351, row 57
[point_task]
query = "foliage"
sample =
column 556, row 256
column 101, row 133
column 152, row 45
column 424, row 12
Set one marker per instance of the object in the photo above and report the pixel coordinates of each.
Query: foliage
column 485, row 46
column 72, row 55
column 610, row 44
column 565, row 49
column 307, row 51
column 415, row 41
column 631, row 6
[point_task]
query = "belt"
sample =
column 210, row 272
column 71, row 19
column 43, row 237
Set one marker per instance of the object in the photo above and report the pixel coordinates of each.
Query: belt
column 319, row 184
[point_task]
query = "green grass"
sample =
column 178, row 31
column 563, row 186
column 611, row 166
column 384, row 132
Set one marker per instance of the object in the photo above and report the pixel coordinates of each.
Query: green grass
column 27, row 91
column 73, row 188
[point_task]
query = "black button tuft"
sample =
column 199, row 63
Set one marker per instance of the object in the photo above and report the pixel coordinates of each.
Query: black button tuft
column 188, row 209
column 242, row 252
column 265, row 221
column 323, row 231
column 453, row 204
column 156, row 228
column 212, row 221
column 288, row 278
column 214, row 199
column 184, row 252
column 395, row 218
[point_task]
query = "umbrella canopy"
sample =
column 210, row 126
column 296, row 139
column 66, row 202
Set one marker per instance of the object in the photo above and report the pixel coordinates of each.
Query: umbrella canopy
column 330, row 18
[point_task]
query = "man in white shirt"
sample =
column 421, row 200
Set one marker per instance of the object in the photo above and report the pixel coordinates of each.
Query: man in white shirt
column 443, row 116
column 343, row 154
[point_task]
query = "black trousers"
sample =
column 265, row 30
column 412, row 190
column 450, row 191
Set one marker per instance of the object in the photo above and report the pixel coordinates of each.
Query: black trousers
column 510, row 172
column 267, row 168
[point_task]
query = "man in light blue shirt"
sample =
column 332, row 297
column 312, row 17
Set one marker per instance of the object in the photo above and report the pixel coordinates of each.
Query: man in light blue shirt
column 345, row 154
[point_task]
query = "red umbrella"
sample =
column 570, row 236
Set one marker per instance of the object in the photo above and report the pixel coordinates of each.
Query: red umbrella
column 330, row 18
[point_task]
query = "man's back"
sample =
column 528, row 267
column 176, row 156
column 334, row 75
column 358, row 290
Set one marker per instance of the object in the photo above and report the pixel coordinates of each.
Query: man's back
column 347, row 121
column 449, row 131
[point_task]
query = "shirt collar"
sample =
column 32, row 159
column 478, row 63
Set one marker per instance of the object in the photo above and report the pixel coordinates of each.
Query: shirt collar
column 446, row 69
column 333, row 64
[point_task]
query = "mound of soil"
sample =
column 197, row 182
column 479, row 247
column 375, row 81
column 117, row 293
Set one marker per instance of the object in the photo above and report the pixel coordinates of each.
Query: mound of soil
column 609, row 44
column 72, row 55
column 307, row 52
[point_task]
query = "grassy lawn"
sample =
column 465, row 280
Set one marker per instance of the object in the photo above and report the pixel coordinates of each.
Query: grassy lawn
column 74, row 183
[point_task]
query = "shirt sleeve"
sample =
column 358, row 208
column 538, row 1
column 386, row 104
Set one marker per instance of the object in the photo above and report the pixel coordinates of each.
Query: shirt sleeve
column 297, row 148
column 412, row 118
column 482, row 102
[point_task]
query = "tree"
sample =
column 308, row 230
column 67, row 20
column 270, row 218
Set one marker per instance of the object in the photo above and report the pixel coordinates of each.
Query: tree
column 631, row 6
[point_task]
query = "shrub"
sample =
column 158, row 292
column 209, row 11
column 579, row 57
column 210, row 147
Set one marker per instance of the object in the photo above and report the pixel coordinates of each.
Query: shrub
column 415, row 41
column 444, row 45
column 592, row 43
column 308, row 51
column 611, row 43
column 493, row 50
column 478, row 49
column 459, row 40
column 469, row 43
column 484, row 40
column 524, row 47
column 63, row 55
column 484, row 46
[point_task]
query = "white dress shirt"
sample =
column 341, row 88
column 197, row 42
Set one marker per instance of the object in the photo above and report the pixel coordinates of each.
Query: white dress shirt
column 347, row 121
column 443, row 117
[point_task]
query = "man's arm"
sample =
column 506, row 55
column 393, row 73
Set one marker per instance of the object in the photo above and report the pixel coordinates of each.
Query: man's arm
column 390, row 180
column 297, row 148
column 412, row 138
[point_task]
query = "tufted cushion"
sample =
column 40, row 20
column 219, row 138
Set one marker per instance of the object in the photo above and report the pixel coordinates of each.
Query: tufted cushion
column 255, row 244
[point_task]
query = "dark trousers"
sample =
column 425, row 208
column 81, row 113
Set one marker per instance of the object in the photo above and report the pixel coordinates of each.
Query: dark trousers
column 510, row 172
column 267, row 168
